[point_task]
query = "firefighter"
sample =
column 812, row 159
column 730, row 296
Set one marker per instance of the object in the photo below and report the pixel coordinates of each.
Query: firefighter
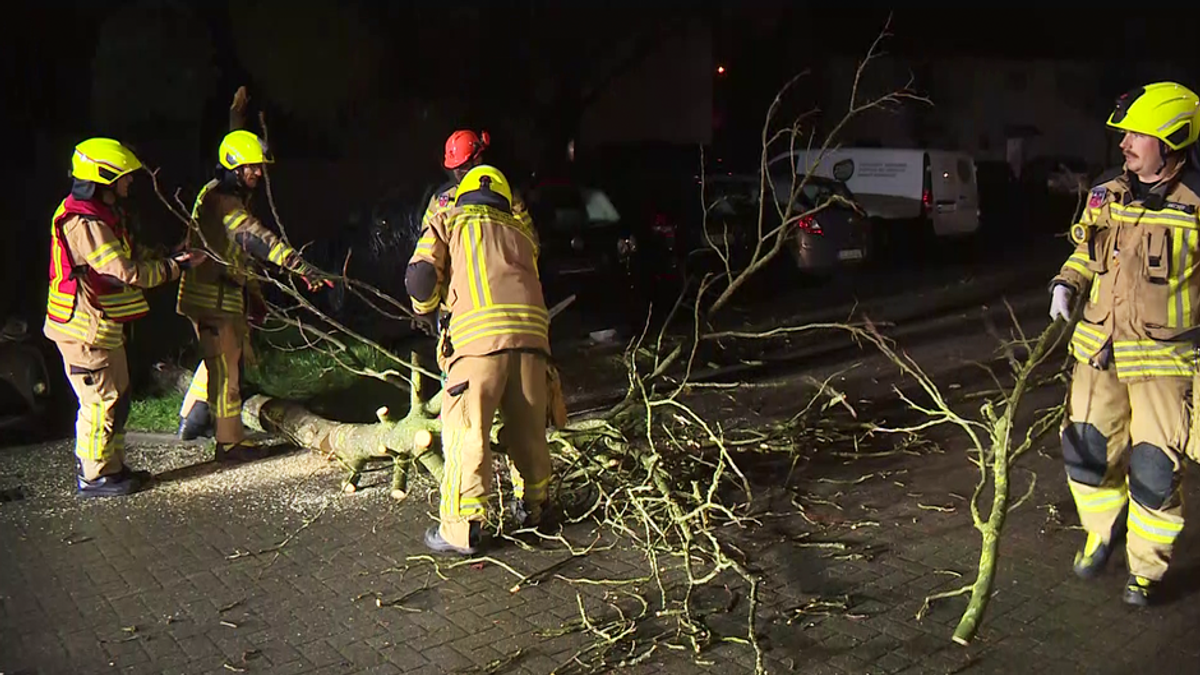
column 464, row 151
column 194, row 418
column 481, row 260
column 96, row 284
column 215, row 298
column 1135, row 262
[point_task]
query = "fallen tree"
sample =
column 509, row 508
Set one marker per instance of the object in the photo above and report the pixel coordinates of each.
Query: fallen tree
column 401, row 440
column 658, row 475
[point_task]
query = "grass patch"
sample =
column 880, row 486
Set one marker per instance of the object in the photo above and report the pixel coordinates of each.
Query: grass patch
column 159, row 414
column 281, row 370
column 299, row 373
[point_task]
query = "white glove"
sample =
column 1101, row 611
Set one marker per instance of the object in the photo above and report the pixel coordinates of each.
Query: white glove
column 1060, row 302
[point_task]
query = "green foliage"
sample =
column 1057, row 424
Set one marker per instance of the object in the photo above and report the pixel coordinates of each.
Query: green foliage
column 158, row 414
column 287, row 368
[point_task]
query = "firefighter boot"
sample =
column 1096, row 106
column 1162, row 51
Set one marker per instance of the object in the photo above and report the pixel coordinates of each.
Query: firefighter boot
column 1091, row 559
column 435, row 542
column 529, row 516
column 248, row 449
column 124, row 482
column 197, row 424
column 1139, row 591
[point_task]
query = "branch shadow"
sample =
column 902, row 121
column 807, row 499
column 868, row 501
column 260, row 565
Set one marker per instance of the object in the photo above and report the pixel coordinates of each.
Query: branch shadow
column 212, row 466
column 189, row 472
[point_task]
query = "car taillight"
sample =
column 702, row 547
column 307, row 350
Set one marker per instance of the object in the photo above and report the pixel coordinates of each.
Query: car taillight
column 809, row 225
column 927, row 198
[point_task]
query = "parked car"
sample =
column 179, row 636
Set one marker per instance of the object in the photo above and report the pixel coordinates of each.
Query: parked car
column 654, row 186
column 24, row 380
column 587, row 248
column 836, row 235
column 373, row 247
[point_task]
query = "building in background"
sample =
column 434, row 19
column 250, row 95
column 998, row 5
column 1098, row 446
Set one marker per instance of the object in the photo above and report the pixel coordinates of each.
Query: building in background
column 998, row 109
column 667, row 96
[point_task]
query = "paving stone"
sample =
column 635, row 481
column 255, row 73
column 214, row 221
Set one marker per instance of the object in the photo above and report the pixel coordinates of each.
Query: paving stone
column 298, row 613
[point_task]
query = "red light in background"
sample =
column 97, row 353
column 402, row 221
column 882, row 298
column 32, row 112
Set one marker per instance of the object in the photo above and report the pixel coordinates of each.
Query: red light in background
column 663, row 227
column 720, row 70
column 809, row 225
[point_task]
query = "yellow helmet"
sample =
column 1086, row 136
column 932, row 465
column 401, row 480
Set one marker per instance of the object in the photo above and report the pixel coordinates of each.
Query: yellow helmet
column 102, row 160
column 483, row 185
column 242, row 147
column 1165, row 110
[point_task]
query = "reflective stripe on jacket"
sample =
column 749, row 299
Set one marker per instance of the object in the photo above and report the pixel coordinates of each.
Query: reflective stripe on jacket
column 237, row 237
column 94, row 281
column 487, row 276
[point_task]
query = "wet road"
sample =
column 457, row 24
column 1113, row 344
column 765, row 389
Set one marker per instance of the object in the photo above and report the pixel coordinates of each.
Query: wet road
column 918, row 268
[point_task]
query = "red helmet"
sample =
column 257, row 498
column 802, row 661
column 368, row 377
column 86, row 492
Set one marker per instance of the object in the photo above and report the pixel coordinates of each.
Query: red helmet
column 463, row 146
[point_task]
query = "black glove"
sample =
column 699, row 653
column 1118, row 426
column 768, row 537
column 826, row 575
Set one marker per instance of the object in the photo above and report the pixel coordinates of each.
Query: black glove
column 188, row 259
column 426, row 323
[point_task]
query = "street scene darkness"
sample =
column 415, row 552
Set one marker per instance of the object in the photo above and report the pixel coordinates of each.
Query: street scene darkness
column 532, row 337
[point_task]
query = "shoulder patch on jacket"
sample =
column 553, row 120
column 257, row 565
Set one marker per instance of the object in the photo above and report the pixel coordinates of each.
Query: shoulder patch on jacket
column 1096, row 199
column 445, row 194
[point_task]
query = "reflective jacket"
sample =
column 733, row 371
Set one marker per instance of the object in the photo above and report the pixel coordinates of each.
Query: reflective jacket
column 1137, row 260
column 443, row 200
column 95, row 282
column 486, row 265
column 236, row 237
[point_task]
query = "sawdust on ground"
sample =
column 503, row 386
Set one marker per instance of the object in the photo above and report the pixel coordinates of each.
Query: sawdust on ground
column 290, row 485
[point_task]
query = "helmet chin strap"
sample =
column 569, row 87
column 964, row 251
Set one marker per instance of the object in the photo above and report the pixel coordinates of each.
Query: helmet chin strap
column 1162, row 157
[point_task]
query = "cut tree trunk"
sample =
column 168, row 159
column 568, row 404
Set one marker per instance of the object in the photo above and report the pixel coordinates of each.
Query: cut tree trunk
column 412, row 438
column 416, row 437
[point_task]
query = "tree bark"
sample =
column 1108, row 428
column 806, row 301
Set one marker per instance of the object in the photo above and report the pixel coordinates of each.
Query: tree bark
column 412, row 438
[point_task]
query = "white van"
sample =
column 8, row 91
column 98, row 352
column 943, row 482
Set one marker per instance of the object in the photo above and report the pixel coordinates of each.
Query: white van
column 936, row 187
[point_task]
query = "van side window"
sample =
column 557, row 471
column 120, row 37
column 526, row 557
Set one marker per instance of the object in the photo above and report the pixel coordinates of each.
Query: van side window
column 964, row 170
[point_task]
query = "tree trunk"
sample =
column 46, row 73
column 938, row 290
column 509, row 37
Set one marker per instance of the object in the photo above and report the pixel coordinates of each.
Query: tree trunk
column 402, row 441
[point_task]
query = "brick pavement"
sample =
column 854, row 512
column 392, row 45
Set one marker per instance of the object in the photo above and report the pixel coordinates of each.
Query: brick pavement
column 182, row 579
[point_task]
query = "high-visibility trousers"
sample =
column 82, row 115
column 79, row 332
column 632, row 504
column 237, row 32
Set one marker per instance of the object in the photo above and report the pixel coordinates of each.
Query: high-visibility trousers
column 221, row 343
column 513, row 382
column 197, row 390
column 1123, row 446
column 556, row 415
column 100, row 378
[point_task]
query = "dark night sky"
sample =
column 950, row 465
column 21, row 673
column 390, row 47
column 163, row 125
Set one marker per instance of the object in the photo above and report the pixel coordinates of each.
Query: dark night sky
column 52, row 52
column 47, row 64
